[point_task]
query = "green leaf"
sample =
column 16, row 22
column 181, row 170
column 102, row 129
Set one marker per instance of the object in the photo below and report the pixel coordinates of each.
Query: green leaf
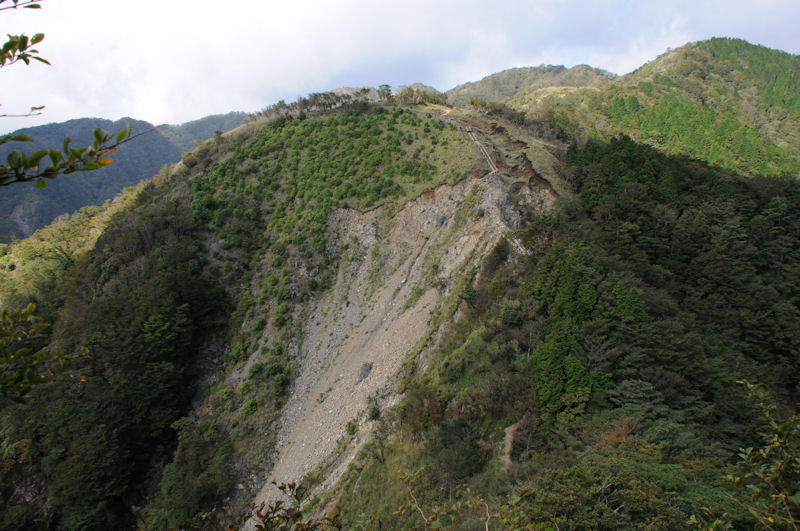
column 55, row 156
column 37, row 38
column 21, row 138
column 13, row 160
column 34, row 159
column 89, row 166
column 41, row 184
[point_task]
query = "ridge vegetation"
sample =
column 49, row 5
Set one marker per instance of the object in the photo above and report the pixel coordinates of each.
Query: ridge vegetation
column 583, row 375
column 724, row 101
column 27, row 208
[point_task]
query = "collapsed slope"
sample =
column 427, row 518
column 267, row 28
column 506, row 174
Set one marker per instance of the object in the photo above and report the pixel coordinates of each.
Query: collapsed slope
column 246, row 215
column 397, row 285
column 348, row 298
column 590, row 381
column 385, row 271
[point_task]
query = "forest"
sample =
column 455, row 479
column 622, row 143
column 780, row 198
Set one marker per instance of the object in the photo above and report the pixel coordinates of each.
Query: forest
column 627, row 358
column 616, row 351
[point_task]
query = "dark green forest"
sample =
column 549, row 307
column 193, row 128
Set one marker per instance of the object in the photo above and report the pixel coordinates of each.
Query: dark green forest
column 139, row 302
column 631, row 361
column 615, row 351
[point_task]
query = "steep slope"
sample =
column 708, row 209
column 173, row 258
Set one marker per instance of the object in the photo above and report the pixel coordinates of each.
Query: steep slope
column 137, row 252
column 268, row 212
column 397, row 286
column 724, row 101
column 608, row 340
column 425, row 315
column 25, row 208
column 507, row 83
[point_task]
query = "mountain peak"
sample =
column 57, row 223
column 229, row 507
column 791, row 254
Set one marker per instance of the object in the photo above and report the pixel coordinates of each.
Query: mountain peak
column 509, row 82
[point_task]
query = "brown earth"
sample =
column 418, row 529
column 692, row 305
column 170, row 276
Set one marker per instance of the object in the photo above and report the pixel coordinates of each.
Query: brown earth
column 381, row 309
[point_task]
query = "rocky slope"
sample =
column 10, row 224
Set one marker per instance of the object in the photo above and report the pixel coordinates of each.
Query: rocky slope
column 396, row 286
column 377, row 300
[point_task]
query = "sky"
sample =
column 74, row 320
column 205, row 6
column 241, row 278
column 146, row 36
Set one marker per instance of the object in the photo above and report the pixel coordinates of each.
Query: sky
column 172, row 61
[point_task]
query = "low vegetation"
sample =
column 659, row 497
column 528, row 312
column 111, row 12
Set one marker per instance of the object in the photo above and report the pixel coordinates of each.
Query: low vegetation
column 613, row 351
column 592, row 375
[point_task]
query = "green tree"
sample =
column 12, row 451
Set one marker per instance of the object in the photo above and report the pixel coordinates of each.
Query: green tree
column 23, row 361
column 23, row 167
column 768, row 478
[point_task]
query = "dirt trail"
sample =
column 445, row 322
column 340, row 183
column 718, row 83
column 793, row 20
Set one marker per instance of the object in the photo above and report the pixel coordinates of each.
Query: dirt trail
column 525, row 167
column 508, row 443
column 485, row 153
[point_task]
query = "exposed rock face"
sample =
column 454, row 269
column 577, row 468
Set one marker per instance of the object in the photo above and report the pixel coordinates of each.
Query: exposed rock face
column 394, row 275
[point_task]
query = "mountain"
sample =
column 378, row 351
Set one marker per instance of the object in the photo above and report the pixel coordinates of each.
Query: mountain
column 507, row 83
column 531, row 312
column 186, row 136
column 26, row 208
column 724, row 101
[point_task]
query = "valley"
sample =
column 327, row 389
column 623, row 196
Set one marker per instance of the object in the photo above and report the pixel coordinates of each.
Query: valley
column 530, row 302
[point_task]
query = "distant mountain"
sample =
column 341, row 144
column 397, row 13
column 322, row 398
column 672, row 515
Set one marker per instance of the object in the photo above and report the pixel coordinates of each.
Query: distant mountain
column 513, row 81
column 25, row 208
column 725, row 101
column 534, row 310
column 759, row 84
column 185, row 136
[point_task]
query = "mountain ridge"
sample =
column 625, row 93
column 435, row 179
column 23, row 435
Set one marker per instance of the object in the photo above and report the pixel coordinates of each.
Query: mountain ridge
column 509, row 82
column 568, row 292
column 31, row 208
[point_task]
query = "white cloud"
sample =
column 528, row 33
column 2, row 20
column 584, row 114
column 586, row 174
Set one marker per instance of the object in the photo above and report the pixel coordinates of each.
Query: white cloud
column 182, row 59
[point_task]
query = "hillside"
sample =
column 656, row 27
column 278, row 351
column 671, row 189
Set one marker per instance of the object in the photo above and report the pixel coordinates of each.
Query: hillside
column 25, row 208
column 507, row 83
column 724, row 101
column 503, row 314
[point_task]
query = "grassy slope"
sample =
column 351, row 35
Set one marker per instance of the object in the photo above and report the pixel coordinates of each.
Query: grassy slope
column 724, row 101
column 507, row 83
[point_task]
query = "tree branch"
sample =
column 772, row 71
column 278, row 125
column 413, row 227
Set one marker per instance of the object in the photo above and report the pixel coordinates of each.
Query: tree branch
column 27, row 4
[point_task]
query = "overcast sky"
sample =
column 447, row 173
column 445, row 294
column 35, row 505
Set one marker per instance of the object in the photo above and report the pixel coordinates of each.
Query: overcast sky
column 171, row 61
